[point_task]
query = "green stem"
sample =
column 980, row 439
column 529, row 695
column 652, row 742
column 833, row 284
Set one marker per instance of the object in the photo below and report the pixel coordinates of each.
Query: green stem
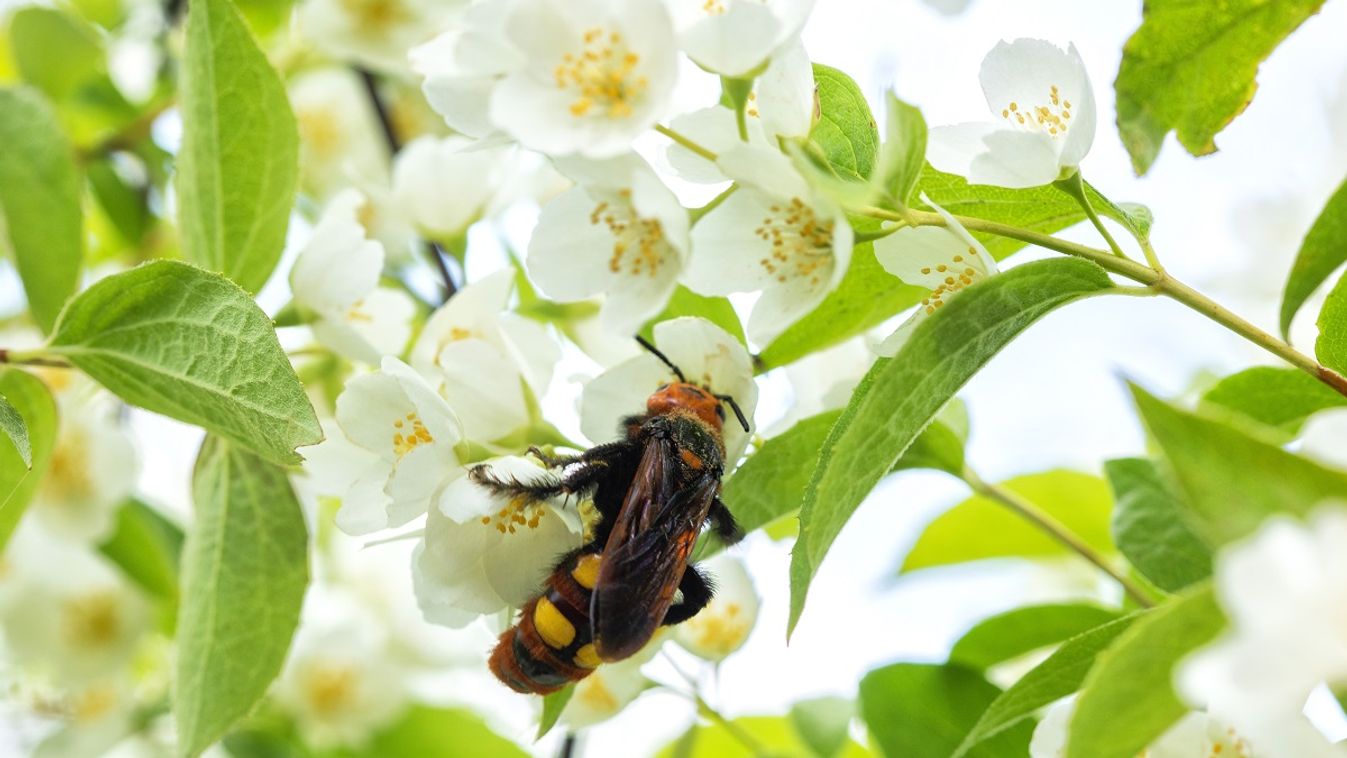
column 685, row 142
column 1075, row 187
column 704, row 708
column 30, row 358
column 1050, row 526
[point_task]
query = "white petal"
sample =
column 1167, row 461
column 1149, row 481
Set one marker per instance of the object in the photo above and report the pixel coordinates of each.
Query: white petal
column 517, row 567
column 1015, row 160
column 383, row 321
column 445, row 185
column 473, row 312
column 339, row 265
column 617, row 393
column 417, row 478
column 532, row 348
column 953, row 149
column 726, row 250
column 785, row 93
column 765, row 168
column 779, row 307
column 1024, row 72
column 568, row 253
column 484, row 388
column 364, row 506
column 434, row 412
column 1050, row 735
column 916, row 255
column 1080, row 136
column 367, row 408
column 735, row 42
column 891, row 344
column 713, row 128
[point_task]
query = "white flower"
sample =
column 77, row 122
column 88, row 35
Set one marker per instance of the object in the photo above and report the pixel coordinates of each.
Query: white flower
column 336, row 276
column 773, row 233
column 340, row 141
column 611, row 688
column 444, row 185
column 341, row 681
column 411, row 433
column 375, row 33
column 945, row 259
column 1042, row 99
column 620, row 232
column 723, row 626
column 1196, row 735
column 68, row 615
column 736, row 37
column 1284, row 590
column 485, row 358
column 483, row 553
column 706, row 354
column 780, row 106
column 824, row 381
column 91, row 471
column 558, row 76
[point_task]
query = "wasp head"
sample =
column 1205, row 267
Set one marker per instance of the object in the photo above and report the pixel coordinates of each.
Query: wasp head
column 687, row 398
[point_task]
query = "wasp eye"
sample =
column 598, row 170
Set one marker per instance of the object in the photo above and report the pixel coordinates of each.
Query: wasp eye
column 662, row 387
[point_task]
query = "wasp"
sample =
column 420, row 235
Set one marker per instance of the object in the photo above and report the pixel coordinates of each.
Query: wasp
column 655, row 489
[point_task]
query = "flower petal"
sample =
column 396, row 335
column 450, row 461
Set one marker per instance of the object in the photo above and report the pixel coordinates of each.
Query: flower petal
column 1015, row 160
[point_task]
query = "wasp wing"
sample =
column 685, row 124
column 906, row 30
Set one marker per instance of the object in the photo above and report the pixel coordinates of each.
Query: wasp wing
column 647, row 551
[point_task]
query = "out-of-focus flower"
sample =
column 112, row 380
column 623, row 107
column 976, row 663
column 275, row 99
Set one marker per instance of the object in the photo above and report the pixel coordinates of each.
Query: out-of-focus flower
column 374, row 33
column 1284, row 590
column 341, row 682
column 340, row 142
column 91, row 471
column 1196, row 735
column 620, row 232
column 336, row 276
column 723, row 626
column 444, row 185
column 484, row 359
column 824, row 381
column 773, row 234
column 780, row 106
column 411, row 433
column 706, row 354
column 69, row 617
column 945, row 259
column 736, row 37
column 560, row 77
column 483, row 553
column 611, row 688
column 1042, row 96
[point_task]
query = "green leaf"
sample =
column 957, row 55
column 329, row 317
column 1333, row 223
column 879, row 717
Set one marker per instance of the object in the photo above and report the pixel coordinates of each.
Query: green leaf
column 1128, row 699
column 1322, row 251
column 923, row 710
column 1055, row 678
column 768, row 486
column 845, row 129
column 12, row 423
column 901, row 395
column 1231, row 480
column 981, row 528
column 1282, row 398
column 428, row 732
column 773, row 736
column 244, row 570
column 685, row 302
column 239, row 162
column 903, row 154
column 19, row 479
column 126, row 207
column 553, row 706
column 1149, row 526
column 939, row 447
column 1021, row 631
column 823, row 723
column 1190, row 68
column 1331, row 346
column 189, row 344
column 40, row 197
column 146, row 546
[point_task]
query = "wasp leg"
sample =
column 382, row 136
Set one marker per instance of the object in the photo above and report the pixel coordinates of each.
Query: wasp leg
column 722, row 521
column 697, row 591
column 553, row 461
column 591, row 467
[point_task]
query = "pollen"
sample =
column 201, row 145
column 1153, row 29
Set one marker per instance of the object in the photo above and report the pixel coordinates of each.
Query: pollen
column 520, row 513
column 800, row 243
column 959, row 276
column 376, row 16
column 639, row 245
column 355, row 312
column 92, row 620
column 602, row 77
column 713, row 7
column 1049, row 117
column 721, row 632
column 329, row 687
column 408, row 434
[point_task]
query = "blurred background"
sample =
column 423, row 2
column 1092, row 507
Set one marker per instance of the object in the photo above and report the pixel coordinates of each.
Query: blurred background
column 1229, row 224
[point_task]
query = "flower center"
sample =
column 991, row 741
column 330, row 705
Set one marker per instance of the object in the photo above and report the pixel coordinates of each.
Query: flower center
column 801, row 242
column 330, row 688
column 375, row 16
column 959, row 275
column 1051, row 118
column 638, row 243
column 356, row 312
column 520, row 512
column 720, row 633
column 320, row 130
column 409, row 433
column 603, row 76
column 92, row 620
column 714, row 7
column 68, row 482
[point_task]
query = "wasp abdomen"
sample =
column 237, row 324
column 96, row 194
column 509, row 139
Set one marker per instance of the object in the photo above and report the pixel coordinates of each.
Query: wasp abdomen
column 552, row 643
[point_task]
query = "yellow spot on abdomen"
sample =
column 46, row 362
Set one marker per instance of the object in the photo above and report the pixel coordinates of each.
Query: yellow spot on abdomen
column 586, row 571
column 553, row 627
column 587, row 657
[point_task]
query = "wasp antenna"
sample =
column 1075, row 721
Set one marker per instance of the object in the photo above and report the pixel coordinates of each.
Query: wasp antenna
column 739, row 414
column 643, row 342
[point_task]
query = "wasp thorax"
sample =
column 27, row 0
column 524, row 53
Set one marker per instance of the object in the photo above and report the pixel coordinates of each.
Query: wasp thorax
column 639, row 247
column 408, row 434
column 1051, row 117
column 602, row 76
column 801, row 242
